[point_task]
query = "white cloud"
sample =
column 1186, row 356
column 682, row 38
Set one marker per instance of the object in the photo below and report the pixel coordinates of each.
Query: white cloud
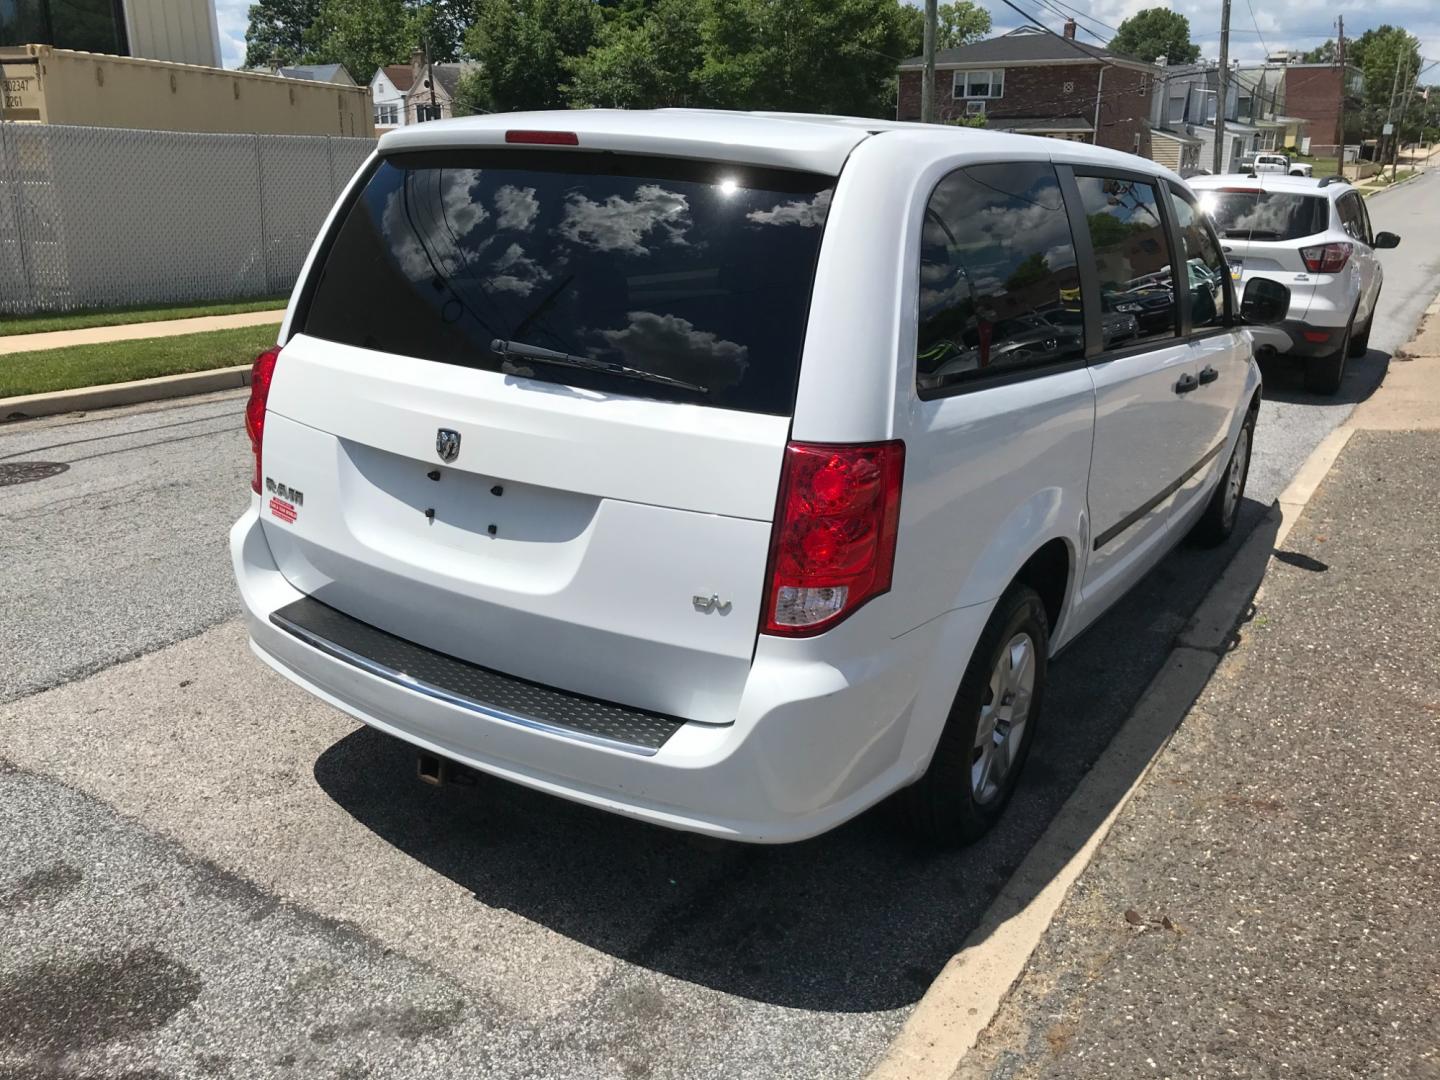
column 805, row 212
column 516, row 208
column 232, row 16
column 446, row 223
column 621, row 224
column 516, row 272
column 670, row 345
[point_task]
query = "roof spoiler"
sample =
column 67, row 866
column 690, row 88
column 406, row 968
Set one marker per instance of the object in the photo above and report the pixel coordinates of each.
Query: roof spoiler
column 1336, row 179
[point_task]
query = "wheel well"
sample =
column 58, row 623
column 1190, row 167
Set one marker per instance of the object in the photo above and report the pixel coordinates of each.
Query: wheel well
column 1048, row 573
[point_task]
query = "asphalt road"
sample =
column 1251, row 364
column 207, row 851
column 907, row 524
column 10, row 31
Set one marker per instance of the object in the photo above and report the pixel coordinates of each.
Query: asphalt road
column 529, row 937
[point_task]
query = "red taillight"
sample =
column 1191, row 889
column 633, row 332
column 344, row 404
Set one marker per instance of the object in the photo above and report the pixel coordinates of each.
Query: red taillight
column 833, row 544
column 260, row 376
column 1325, row 258
column 1316, row 337
column 543, row 138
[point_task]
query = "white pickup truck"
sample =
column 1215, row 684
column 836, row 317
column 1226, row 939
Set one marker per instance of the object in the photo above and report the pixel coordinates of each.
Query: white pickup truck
column 1279, row 163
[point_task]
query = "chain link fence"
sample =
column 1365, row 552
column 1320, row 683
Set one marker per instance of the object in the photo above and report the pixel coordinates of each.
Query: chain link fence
column 107, row 217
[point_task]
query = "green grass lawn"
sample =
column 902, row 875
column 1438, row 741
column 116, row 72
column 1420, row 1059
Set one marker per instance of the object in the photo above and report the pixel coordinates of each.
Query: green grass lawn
column 121, row 361
column 79, row 320
column 1319, row 167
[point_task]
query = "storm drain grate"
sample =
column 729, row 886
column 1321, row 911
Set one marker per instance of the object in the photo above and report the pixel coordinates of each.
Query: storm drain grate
column 24, row 472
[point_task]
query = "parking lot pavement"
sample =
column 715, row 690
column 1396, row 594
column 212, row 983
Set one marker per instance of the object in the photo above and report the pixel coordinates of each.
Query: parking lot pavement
column 627, row 950
column 122, row 547
column 1264, row 905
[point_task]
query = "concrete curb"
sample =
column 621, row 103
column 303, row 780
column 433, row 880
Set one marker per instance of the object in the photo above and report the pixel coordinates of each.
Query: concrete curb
column 1371, row 192
column 85, row 398
column 968, row 992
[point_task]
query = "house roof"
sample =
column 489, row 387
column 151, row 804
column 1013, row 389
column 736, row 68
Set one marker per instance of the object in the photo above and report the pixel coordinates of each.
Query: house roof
column 1028, row 124
column 448, row 75
column 401, row 76
column 1022, row 48
column 316, row 72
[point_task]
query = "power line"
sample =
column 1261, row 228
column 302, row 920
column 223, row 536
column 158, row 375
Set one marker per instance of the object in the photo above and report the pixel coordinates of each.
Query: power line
column 1055, row 8
column 1082, row 15
column 1256, row 23
column 1081, row 49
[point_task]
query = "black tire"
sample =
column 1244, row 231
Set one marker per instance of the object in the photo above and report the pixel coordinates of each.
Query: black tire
column 1361, row 341
column 1221, row 512
column 1323, row 374
column 942, row 806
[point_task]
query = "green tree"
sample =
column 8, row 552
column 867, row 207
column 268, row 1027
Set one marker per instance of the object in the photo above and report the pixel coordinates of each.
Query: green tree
column 1033, row 269
column 441, row 25
column 643, row 59
column 1380, row 53
column 361, row 34
column 1321, row 54
column 276, row 34
column 1156, row 32
column 830, row 56
column 957, row 23
column 524, row 48
column 833, row 56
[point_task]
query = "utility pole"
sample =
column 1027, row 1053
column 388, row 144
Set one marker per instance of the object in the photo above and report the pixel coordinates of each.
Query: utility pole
column 1390, row 115
column 1399, row 123
column 927, row 85
column 430, row 76
column 1340, row 56
column 1218, row 165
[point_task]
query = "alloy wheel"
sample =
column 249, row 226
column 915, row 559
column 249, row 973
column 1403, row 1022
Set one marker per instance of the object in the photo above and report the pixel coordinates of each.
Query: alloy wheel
column 1003, row 718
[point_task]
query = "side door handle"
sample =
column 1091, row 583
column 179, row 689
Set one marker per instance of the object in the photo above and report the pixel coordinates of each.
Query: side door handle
column 1187, row 383
column 1208, row 375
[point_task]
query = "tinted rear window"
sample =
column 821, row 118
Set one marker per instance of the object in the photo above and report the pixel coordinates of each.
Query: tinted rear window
column 1266, row 215
column 695, row 271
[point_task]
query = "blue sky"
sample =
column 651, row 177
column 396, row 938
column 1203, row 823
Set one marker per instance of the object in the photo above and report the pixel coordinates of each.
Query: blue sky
column 1278, row 24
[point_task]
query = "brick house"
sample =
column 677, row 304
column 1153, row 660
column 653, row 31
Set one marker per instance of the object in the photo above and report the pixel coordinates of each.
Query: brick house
column 1037, row 83
column 1312, row 92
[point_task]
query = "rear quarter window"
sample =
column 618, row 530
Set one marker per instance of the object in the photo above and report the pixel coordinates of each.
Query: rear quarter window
column 694, row 271
column 999, row 286
column 1266, row 215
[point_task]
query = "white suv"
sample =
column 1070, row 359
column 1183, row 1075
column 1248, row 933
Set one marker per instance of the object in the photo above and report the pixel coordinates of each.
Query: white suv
column 732, row 471
column 1314, row 237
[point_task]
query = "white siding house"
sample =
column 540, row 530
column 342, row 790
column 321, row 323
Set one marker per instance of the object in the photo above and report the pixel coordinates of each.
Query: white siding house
column 387, row 94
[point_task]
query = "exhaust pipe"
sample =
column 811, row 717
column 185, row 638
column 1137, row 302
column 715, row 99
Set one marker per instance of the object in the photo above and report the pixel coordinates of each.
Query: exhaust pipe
column 439, row 771
column 432, row 769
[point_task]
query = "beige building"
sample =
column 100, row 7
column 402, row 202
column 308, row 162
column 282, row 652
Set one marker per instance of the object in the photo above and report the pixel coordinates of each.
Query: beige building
column 57, row 86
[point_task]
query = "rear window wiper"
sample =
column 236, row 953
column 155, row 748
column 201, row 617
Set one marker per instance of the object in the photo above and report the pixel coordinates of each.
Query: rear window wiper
column 509, row 350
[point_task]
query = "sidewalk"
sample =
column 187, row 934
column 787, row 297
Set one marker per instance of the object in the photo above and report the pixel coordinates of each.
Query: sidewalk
column 63, row 339
column 1264, row 904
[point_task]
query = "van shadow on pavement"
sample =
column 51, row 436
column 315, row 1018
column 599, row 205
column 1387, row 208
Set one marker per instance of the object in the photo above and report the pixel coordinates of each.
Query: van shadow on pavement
column 859, row 920
column 1285, row 379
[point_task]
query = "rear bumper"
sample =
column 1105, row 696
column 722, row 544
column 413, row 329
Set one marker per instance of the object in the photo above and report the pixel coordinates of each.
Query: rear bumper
column 825, row 727
column 1306, row 339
